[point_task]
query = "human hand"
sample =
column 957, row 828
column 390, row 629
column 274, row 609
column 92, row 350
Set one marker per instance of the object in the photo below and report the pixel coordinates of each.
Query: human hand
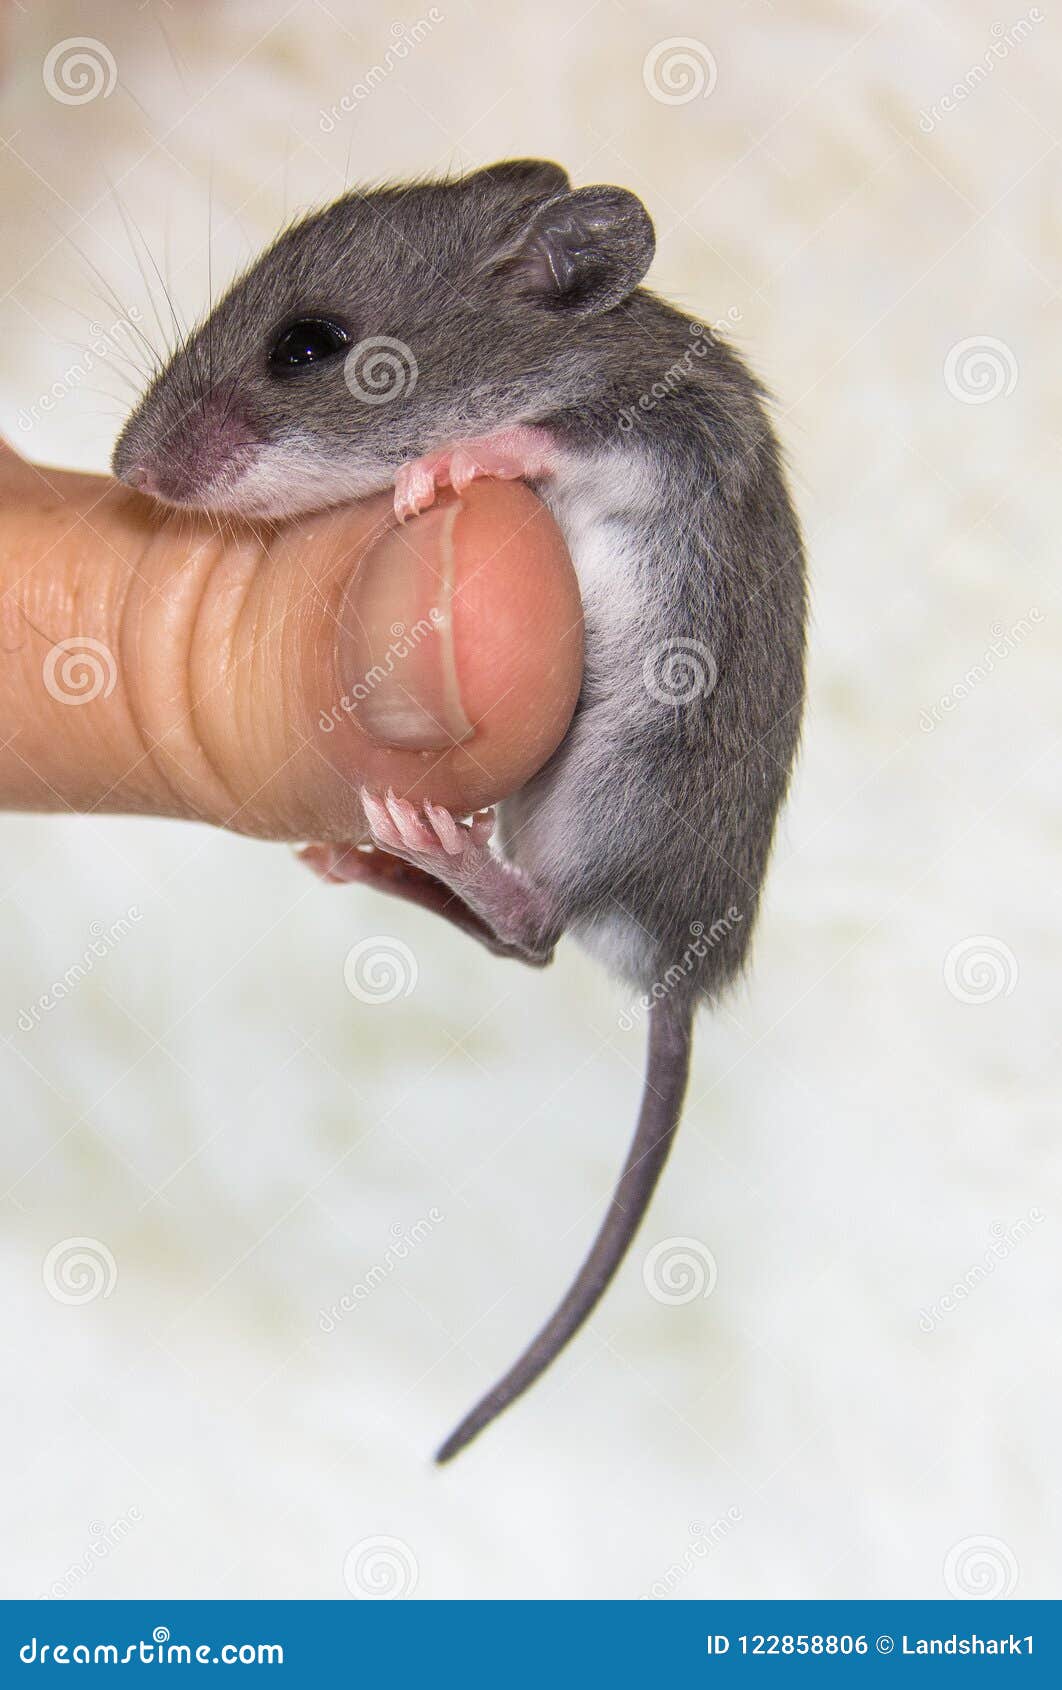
column 256, row 678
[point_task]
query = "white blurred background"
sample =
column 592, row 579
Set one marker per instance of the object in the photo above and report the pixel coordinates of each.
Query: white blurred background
column 866, row 1402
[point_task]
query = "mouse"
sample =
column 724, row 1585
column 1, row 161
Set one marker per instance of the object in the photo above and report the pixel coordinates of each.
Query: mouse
column 510, row 309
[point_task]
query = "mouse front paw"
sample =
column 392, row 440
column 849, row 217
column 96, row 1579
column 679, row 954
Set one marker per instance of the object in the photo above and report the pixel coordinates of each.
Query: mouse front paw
column 514, row 454
column 415, row 486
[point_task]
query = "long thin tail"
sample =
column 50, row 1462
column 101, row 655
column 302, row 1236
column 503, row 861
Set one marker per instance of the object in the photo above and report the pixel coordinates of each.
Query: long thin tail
column 667, row 1071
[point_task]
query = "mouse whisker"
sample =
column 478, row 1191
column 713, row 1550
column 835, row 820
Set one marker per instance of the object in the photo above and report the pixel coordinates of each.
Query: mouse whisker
column 114, row 351
column 131, row 235
column 111, row 298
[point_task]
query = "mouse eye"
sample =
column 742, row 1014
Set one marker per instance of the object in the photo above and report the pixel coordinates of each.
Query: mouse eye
column 308, row 341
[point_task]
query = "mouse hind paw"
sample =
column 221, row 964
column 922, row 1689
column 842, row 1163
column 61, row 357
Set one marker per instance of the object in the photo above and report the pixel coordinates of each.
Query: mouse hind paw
column 458, row 855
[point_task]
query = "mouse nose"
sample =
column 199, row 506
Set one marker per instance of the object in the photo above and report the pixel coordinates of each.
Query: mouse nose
column 138, row 476
column 180, row 458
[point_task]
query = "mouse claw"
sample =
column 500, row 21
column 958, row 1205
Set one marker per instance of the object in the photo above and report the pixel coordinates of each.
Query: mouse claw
column 481, row 827
column 428, row 835
column 463, row 470
column 414, row 489
column 507, row 456
column 412, row 829
column 448, row 830
column 381, row 825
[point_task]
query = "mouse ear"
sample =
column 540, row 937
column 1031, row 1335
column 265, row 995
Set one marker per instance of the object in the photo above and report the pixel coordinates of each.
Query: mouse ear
column 583, row 251
column 535, row 178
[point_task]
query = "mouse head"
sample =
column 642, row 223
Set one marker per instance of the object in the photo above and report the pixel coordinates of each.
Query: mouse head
column 390, row 323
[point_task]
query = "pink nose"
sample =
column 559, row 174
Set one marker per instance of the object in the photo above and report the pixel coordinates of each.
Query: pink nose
column 140, row 478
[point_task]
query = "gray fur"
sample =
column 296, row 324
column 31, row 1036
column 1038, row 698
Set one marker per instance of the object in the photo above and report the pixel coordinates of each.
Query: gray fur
column 651, row 817
column 647, row 834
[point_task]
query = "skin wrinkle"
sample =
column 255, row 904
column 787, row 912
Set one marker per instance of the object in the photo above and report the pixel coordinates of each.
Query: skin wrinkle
column 227, row 536
column 149, row 746
column 180, row 732
column 62, row 594
column 301, row 616
column 124, row 753
column 252, row 624
column 223, row 661
column 129, row 690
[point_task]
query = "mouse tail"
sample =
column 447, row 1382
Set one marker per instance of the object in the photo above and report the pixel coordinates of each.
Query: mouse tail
column 667, row 1071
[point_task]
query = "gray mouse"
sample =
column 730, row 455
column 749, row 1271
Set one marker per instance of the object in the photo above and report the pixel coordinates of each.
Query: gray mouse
column 539, row 355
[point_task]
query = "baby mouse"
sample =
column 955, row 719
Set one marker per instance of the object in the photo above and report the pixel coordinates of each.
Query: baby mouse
column 517, row 301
